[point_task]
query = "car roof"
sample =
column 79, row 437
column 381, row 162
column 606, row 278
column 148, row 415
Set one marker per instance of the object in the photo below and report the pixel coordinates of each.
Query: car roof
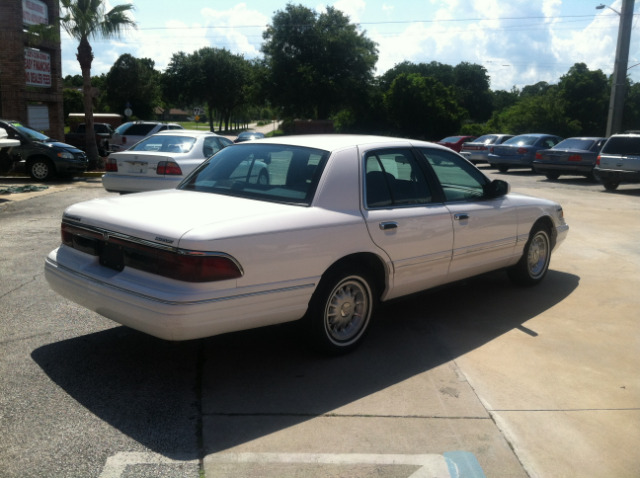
column 185, row 132
column 334, row 142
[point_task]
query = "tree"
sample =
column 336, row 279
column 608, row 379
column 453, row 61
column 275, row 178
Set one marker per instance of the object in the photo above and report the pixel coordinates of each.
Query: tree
column 133, row 81
column 82, row 20
column 422, row 107
column 318, row 63
column 585, row 96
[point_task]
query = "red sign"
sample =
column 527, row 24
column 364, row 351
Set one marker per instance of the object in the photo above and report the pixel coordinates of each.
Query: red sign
column 37, row 68
column 34, row 12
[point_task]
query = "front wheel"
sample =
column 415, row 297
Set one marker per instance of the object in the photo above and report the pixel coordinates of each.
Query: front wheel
column 502, row 168
column 340, row 311
column 534, row 263
column 552, row 176
column 41, row 169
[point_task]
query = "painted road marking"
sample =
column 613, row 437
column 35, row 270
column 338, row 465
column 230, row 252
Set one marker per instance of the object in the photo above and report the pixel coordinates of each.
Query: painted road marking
column 455, row 464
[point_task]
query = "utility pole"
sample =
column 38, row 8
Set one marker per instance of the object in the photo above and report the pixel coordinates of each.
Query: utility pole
column 619, row 81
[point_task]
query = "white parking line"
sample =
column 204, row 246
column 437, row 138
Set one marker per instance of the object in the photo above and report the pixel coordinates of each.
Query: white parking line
column 450, row 465
column 118, row 463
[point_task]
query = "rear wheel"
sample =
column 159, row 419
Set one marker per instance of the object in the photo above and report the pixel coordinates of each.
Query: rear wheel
column 610, row 185
column 41, row 169
column 502, row 168
column 340, row 311
column 534, row 263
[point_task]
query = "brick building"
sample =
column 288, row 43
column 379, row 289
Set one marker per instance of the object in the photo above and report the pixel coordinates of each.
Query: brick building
column 30, row 73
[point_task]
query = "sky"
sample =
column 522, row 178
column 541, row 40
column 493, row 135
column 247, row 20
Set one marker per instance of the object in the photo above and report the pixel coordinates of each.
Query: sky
column 519, row 42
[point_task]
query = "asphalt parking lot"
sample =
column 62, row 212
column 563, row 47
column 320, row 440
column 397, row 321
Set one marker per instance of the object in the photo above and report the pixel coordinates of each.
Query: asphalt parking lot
column 480, row 378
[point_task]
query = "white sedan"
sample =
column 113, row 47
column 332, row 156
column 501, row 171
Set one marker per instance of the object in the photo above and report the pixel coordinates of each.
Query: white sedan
column 344, row 222
column 160, row 161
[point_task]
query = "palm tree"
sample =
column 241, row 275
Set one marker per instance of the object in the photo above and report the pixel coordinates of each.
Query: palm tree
column 86, row 19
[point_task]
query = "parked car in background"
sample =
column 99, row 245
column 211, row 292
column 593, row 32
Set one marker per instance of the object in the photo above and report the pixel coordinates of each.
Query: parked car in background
column 619, row 161
column 455, row 142
column 103, row 131
column 520, row 151
column 160, row 161
column 573, row 156
column 248, row 136
column 128, row 134
column 477, row 150
column 346, row 221
column 44, row 158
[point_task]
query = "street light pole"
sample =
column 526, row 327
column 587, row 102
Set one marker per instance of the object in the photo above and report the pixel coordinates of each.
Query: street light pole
column 619, row 81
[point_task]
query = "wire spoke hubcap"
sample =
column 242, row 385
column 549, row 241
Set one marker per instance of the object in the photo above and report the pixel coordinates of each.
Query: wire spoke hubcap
column 348, row 310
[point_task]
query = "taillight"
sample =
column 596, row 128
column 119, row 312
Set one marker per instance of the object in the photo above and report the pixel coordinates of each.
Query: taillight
column 522, row 151
column 111, row 166
column 168, row 168
column 178, row 264
column 124, row 140
column 538, row 156
column 598, row 160
column 575, row 157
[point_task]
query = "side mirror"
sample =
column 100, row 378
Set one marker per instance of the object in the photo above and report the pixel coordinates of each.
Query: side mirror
column 497, row 188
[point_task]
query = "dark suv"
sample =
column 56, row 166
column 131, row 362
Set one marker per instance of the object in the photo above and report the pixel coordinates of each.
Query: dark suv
column 44, row 157
column 619, row 161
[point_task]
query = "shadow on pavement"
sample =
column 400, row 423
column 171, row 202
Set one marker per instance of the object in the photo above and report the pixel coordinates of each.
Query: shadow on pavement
column 152, row 390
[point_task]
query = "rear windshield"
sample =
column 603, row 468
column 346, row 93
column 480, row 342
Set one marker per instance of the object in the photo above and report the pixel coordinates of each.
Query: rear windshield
column 138, row 129
column 623, row 145
column 486, row 139
column 523, row 140
column 166, row 144
column 268, row 172
column 575, row 143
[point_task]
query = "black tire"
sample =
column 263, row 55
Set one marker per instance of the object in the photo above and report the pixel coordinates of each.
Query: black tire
column 610, row 185
column 552, row 176
column 340, row 311
column 502, row 168
column 534, row 263
column 41, row 169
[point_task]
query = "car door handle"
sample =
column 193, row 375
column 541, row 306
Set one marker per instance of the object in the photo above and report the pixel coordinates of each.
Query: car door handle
column 461, row 216
column 385, row 226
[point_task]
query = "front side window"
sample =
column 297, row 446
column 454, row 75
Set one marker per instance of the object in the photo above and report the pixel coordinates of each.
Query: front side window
column 460, row 181
column 393, row 178
column 269, row 172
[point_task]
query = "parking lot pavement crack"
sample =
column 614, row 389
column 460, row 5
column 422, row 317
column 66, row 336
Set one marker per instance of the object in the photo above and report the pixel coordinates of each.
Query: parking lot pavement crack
column 18, row 287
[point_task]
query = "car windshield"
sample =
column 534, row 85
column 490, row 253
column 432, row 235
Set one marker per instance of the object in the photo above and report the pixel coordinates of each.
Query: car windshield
column 524, row 140
column 575, row 143
column 30, row 133
column 268, row 172
column 166, row 144
column 623, row 145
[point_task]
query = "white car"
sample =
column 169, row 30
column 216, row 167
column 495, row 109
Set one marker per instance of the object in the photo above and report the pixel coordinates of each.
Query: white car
column 160, row 161
column 344, row 222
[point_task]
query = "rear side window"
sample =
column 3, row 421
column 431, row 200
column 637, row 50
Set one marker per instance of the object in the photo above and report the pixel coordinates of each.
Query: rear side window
column 393, row 178
column 166, row 144
column 622, row 145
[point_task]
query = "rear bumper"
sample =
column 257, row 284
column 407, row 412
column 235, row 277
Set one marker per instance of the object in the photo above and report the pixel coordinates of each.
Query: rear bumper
column 122, row 183
column 562, row 168
column 617, row 175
